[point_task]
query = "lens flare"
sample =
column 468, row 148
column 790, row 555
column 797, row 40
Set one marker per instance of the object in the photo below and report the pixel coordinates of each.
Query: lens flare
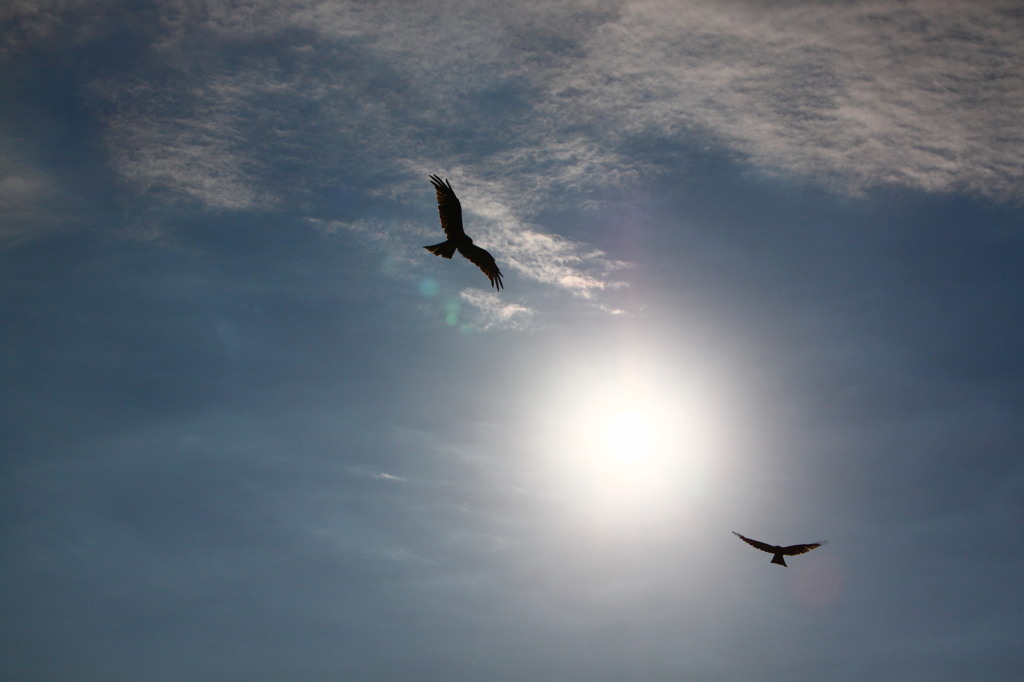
column 451, row 311
column 429, row 287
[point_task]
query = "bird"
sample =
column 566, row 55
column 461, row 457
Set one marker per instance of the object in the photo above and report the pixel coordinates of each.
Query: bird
column 779, row 552
column 450, row 210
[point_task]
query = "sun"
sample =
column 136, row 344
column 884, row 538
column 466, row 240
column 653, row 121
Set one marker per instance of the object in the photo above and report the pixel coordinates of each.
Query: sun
column 629, row 435
column 625, row 449
column 615, row 450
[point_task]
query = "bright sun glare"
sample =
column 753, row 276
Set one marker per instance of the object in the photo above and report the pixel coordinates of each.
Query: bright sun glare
column 625, row 447
column 629, row 435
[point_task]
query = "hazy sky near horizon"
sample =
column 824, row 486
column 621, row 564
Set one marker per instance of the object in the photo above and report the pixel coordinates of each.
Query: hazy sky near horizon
column 764, row 270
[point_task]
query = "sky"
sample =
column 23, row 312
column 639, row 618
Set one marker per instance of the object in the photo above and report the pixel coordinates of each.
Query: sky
column 763, row 273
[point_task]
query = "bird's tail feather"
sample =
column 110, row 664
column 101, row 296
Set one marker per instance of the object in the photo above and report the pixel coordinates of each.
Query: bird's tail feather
column 445, row 249
column 777, row 559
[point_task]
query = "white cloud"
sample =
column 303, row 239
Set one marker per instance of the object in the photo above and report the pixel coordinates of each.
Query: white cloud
column 493, row 212
column 916, row 93
column 919, row 94
column 494, row 312
column 530, row 106
column 553, row 260
column 519, row 247
column 188, row 138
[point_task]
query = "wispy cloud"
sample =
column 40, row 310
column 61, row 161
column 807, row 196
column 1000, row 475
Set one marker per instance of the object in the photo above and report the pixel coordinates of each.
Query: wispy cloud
column 527, row 109
column 495, row 312
column 363, row 472
column 519, row 247
column 32, row 201
column 554, row 260
column 27, row 22
column 189, row 137
column 917, row 94
column 22, row 192
column 912, row 93
column 525, row 105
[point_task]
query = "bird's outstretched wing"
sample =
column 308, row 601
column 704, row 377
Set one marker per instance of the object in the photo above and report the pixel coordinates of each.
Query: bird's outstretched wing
column 483, row 260
column 449, row 208
column 763, row 546
column 793, row 550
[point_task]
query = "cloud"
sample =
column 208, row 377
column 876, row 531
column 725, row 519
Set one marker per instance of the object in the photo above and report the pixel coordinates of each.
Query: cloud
column 187, row 138
column 380, row 233
column 554, row 260
column 858, row 95
column 917, row 94
column 535, row 108
column 32, row 203
column 539, row 256
column 28, row 22
column 493, row 312
column 496, row 210
column 21, row 194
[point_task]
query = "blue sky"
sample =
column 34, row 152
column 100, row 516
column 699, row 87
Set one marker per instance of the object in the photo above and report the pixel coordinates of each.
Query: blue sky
column 763, row 272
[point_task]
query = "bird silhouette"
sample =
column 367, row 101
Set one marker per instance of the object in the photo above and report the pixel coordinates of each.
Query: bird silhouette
column 779, row 552
column 450, row 210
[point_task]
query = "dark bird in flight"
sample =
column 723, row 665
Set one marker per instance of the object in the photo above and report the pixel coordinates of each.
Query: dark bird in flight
column 779, row 552
column 450, row 210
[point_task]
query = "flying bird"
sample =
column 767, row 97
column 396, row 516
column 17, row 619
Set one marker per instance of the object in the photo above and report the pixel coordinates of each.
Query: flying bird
column 779, row 552
column 450, row 210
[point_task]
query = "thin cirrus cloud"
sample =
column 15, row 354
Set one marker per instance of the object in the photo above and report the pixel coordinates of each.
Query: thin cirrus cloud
column 24, row 191
column 860, row 95
column 493, row 312
column 549, row 100
column 528, row 109
column 525, row 249
column 920, row 94
column 500, row 209
column 191, row 138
